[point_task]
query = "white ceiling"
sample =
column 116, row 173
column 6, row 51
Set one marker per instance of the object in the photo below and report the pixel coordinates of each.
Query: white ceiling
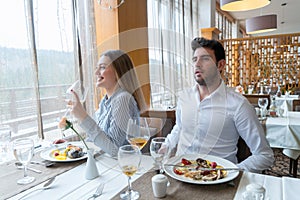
column 289, row 14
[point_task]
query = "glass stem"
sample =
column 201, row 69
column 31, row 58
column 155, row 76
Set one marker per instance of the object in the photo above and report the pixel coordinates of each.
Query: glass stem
column 129, row 184
column 25, row 170
column 161, row 170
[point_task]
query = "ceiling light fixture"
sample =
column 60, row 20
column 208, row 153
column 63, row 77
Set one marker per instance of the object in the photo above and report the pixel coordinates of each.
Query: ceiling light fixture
column 261, row 24
column 242, row 5
column 106, row 4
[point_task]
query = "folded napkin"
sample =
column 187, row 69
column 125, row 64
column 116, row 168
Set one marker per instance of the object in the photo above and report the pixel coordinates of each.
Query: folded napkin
column 290, row 188
column 272, row 185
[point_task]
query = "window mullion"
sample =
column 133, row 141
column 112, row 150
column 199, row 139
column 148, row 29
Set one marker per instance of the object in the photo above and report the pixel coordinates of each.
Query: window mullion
column 33, row 52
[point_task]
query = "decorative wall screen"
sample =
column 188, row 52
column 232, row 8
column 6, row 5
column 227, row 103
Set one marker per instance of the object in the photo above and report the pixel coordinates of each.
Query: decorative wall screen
column 269, row 60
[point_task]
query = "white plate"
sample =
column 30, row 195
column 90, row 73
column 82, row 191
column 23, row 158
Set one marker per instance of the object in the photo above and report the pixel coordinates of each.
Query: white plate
column 220, row 161
column 46, row 154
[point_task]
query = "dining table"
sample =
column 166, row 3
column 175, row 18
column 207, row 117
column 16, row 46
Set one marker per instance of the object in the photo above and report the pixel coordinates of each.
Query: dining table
column 286, row 102
column 70, row 183
column 284, row 132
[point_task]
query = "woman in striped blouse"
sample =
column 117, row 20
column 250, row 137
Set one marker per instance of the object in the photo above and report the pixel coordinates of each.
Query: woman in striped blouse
column 123, row 100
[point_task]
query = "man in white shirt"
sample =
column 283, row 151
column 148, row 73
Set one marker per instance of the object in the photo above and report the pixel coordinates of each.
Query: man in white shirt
column 211, row 117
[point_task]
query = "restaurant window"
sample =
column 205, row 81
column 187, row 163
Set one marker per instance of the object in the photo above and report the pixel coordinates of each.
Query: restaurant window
column 224, row 24
column 172, row 26
column 44, row 49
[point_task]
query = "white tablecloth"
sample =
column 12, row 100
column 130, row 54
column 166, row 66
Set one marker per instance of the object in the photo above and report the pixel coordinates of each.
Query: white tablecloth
column 284, row 132
column 73, row 185
column 277, row 188
column 286, row 102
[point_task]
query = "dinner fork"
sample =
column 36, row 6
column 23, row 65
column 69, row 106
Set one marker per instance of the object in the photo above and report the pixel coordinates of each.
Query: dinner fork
column 98, row 191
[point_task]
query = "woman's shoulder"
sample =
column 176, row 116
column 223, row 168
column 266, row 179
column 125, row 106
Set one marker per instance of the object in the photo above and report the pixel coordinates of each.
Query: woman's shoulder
column 122, row 95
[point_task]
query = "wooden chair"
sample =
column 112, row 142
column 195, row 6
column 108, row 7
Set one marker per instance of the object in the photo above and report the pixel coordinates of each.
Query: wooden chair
column 296, row 105
column 156, row 125
column 243, row 150
column 253, row 99
column 294, row 162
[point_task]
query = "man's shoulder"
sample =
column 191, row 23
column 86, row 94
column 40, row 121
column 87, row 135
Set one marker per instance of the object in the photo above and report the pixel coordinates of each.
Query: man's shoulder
column 187, row 91
column 231, row 93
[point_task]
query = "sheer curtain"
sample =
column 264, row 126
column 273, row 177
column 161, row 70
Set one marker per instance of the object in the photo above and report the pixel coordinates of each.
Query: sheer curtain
column 46, row 46
column 172, row 26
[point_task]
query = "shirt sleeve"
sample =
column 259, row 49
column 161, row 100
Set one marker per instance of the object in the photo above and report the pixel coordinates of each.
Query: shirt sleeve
column 173, row 137
column 123, row 107
column 253, row 134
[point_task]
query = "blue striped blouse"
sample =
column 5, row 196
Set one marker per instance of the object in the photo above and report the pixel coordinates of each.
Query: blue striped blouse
column 108, row 128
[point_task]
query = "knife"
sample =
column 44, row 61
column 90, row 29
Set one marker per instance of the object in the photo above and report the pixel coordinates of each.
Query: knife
column 202, row 168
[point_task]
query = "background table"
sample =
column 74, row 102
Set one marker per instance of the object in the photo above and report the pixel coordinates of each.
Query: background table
column 284, row 132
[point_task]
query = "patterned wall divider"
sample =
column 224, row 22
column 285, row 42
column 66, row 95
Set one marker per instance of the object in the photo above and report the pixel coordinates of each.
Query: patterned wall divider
column 267, row 60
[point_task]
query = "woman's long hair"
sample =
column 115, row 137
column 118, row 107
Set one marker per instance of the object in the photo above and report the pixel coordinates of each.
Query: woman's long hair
column 127, row 78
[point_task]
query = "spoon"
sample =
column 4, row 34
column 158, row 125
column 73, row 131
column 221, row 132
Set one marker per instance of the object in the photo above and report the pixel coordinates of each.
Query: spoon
column 20, row 166
column 46, row 186
column 44, row 163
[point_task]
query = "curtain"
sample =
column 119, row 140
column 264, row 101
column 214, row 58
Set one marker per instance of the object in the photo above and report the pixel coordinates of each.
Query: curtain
column 45, row 47
column 172, row 26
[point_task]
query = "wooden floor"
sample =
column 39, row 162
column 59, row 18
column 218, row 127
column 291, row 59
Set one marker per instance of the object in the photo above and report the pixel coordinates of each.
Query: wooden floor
column 281, row 165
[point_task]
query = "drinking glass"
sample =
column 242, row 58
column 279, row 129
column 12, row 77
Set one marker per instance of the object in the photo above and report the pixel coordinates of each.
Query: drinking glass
column 268, row 89
column 159, row 152
column 250, row 89
column 138, row 132
column 23, row 150
column 263, row 103
column 5, row 137
column 129, row 158
column 81, row 91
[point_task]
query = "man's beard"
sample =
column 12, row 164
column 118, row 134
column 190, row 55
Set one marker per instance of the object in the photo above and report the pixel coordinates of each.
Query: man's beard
column 201, row 81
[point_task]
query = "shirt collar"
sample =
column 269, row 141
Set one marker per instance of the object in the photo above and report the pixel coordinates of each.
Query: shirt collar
column 220, row 91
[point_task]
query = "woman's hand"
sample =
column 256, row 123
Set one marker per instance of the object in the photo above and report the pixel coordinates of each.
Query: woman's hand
column 77, row 109
column 59, row 141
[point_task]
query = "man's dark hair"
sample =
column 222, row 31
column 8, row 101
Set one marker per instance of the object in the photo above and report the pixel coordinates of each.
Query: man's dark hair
column 214, row 45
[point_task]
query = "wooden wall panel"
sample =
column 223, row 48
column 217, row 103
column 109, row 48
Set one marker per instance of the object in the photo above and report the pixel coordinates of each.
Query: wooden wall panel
column 267, row 60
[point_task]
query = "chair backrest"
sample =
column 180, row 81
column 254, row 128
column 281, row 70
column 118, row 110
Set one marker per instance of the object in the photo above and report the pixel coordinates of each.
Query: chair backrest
column 155, row 125
column 243, row 150
column 296, row 105
column 253, row 99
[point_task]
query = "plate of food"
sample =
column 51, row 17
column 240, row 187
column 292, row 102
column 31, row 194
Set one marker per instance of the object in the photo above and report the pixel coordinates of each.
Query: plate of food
column 65, row 152
column 201, row 169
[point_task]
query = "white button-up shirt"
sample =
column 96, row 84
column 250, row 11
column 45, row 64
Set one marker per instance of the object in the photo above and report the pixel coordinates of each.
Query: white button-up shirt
column 213, row 126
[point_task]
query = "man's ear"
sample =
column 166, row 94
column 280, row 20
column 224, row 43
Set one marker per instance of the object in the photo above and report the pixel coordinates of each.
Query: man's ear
column 221, row 65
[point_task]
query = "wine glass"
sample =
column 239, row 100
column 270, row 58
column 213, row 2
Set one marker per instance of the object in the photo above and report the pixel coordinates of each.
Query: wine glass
column 82, row 93
column 159, row 152
column 5, row 137
column 268, row 89
column 250, row 89
column 23, row 150
column 138, row 132
column 129, row 158
column 263, row 103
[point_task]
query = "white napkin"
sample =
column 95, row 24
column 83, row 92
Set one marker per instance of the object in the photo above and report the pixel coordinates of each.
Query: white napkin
column 291, row 187
column 272, row 185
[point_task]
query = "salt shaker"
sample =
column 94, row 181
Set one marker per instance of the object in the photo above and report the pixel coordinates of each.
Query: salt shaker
column 254, row 192
column 159, row 185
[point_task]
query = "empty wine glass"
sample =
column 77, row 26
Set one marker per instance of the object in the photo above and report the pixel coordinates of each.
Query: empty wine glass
column 23, row 150
column 268, row 89
column 250, row 89
column 129, row 158
column 280, row 111
column 138, row 132
column 159, row 151
column 263, row 103
column 79, row 89
column 5, row 137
